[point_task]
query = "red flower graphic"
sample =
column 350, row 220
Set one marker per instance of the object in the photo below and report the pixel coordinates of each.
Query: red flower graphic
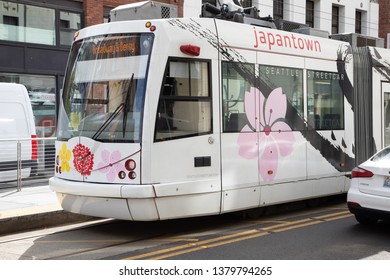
column 82, row 159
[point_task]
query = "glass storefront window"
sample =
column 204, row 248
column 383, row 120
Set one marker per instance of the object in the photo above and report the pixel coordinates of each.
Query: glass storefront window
column 69, row 24
column 27, row 24
column 42, row 90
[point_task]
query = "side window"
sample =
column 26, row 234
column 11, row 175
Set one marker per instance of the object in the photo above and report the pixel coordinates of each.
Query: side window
column 236, row 80
column 325, row 100
column 184, row 107
column 290, row 80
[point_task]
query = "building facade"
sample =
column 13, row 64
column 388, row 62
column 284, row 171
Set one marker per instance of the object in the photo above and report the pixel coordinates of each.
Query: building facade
column 35, row 35
column 35, row 38
column 333, row 16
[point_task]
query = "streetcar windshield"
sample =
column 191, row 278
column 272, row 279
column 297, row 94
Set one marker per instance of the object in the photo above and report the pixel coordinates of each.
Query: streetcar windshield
column 104, row 91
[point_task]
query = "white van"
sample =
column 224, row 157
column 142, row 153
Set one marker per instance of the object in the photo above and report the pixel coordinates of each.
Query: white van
column 16, row 125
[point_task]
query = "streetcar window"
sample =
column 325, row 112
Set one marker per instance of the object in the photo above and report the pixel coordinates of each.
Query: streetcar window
column 325, row 100
column 291, row 82
column 237, row 79
column 184, row 107
column 104, row 89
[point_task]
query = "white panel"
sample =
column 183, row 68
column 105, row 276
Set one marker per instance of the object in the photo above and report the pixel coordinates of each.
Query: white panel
column 190, row 187
column 174, row 159
column 84, row 189
column 326, row 186
column 237, row 172
column 280, row 60
column 323, row 65
column 143, row 209
column 234, row 200
column 95, row 206
column 137, row 191
column 189, row 205
column 317, row 165
column 279, row 193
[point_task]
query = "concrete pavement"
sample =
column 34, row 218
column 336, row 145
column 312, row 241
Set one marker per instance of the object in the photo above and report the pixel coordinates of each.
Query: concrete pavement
column 32, row 208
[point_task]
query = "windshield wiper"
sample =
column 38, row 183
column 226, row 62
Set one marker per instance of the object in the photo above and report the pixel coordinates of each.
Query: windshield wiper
column 108, row 121
column 126, row 106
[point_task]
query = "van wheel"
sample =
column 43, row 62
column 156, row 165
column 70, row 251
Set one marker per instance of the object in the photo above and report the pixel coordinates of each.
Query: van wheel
column 366, row 220
column 34, row 169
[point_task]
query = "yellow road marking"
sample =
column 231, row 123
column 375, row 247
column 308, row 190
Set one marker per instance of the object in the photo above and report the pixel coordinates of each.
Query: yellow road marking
column 287, row 223
column 298, row 226
column 186, row 246
column 240, row 236
column 339, row 217
column 331, row 215
column 210, row 246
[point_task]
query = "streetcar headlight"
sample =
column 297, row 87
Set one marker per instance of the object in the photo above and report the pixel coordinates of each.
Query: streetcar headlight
column 146, row 44
column 130, row 165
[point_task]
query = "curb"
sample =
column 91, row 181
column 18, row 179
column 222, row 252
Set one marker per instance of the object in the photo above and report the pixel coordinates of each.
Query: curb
column 37, row 221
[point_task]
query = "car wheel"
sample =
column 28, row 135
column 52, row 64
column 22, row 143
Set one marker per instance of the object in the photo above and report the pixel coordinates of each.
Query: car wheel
column 366, row 220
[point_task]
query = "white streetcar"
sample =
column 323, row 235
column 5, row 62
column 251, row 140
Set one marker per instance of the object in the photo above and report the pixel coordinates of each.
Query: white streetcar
column 171, row 118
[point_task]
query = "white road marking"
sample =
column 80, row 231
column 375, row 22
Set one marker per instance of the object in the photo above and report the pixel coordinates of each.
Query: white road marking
column 383, row 255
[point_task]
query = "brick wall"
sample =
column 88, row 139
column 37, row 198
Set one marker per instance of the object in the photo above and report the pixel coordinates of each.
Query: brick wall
column 384, row 19
column 93, row 12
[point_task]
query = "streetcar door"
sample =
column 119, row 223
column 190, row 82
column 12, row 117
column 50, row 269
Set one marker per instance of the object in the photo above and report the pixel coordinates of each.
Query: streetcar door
column 330, row 131
column 386, row 113
column 239, row 137
column 186, row 160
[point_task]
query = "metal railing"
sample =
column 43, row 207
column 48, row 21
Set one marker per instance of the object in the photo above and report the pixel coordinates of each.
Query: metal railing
column 18, row 169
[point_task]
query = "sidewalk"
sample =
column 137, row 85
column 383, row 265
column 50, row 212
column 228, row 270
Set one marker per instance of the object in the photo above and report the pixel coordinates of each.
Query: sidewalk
column 32, row 208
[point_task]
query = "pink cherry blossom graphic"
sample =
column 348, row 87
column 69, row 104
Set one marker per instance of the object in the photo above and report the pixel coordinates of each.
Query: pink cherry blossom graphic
column 110, row 165
column 276, row 139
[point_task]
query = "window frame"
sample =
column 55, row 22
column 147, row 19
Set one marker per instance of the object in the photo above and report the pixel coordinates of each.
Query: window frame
column 190, row 98
column 310, row 13
column 278, row 9
column 73, row 7
column 246, row 3
column 358, row 21
column 300, row 106
column 241, row 120
column 335, row 19
column 68, row 29
column 317, row 124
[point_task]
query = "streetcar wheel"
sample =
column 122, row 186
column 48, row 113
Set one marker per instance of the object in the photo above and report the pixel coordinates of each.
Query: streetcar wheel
column 255, row 213
column 366, row 220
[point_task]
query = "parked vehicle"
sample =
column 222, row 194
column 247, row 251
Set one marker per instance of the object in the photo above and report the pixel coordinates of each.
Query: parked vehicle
column 16, row 126
column 369, row 194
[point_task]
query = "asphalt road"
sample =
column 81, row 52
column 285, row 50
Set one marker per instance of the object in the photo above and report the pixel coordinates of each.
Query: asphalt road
column 328, row 232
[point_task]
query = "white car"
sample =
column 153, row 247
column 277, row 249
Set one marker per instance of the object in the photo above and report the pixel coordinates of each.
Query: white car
column 369, row 194
column 16, row 125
